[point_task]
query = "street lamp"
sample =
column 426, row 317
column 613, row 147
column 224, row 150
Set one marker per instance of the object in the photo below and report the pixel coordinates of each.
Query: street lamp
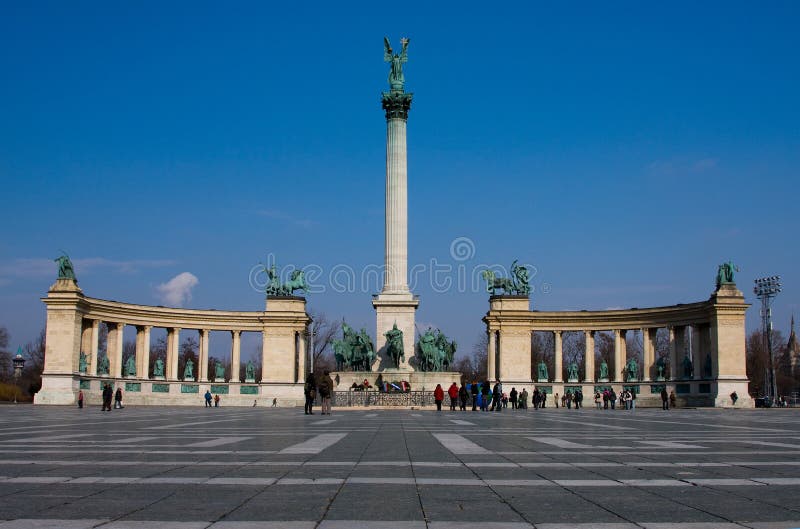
column 19, row 365
column 767, row 288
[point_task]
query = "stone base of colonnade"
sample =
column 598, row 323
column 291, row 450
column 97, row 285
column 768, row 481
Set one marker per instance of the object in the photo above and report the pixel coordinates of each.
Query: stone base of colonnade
column 63, row 390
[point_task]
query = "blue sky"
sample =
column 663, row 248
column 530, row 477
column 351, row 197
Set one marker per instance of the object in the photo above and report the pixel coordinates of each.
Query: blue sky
column 624, row 149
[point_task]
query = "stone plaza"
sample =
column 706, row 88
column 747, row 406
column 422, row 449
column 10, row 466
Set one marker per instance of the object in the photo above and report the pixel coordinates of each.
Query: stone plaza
column 242, row 468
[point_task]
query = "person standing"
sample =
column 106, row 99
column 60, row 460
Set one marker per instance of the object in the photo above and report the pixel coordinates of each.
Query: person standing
column 633, row 399
column 578, row 399
column 438, row 396
column 118, row 399
column 524, row 399
column 452, row 392
column 597, row 399
column 672, row 399
column 543, row 399
column 216, row 401
column 463, row 396
column 207, row 398
column 486, row 392
column 612, row 398
column 497, row 396
column 80, row 399
column 474, row 389
column 734, row 398
column 555, row 398
column 664, row 401
column 310, row 392
column 325, row 390
column 108, row 394
column 513, row 398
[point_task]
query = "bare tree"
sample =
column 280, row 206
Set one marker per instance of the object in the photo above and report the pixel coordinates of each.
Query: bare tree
column 5, row 356
column 324, row 332
column 34, row 365
column 543, row 349
column 757, row 364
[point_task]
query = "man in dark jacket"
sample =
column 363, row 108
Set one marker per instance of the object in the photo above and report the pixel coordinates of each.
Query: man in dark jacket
column 108, row 394
column 474, row 388
column 310, row 391
column 325, row 390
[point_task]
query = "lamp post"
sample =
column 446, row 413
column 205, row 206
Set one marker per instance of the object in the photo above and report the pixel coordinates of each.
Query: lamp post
column 766, row 289
column 19, row 365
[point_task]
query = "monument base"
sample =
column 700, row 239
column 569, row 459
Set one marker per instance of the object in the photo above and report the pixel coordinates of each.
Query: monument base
column 417, row 380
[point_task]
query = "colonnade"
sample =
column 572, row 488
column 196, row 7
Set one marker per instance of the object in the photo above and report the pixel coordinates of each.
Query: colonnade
column 73, row 334
column 717, row 350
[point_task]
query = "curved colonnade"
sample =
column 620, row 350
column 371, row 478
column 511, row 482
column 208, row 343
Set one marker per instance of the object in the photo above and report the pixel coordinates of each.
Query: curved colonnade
column 717, row 353
column 73, row 327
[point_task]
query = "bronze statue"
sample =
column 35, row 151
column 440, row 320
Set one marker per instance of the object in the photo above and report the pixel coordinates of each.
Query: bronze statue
column 394, row 345
column 65, row 269
column 396, row 78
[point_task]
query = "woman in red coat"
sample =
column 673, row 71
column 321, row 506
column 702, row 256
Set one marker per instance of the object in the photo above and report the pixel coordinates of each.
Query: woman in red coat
column 452, row 391
column 438, row 396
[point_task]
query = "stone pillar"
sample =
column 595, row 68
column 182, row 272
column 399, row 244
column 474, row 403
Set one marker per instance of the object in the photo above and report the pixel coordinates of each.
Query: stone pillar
column 86, row 340
column 300, row 354
column 558, row 355
column 647, row 353
column 588, row 357
column 62, row 343
column 491, row 360
column 236, row 347
column 698, row 355
column 727, row 346
column 680, row 349
column 94, row 348
column 673, row 354
column 203, row 355
column 265, row 369
column 395, row 304
column 114, row 349
column 143, row 351
column 620, row 354
column 173, row 349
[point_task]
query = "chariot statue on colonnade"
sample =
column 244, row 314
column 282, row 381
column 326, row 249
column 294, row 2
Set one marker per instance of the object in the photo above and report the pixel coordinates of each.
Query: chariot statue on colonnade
column 518, row 284
column 274, row 286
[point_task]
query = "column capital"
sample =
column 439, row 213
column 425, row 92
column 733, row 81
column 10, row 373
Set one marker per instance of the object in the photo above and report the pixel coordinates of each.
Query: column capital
column 396, row 104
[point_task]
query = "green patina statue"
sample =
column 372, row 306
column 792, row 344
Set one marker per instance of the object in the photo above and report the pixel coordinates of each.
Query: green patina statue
column 188, row 369
column 102, row 365
column 130, row 367
column 632, row 370
column 518, row 284
column 275, row 288
column 603, row 370
column 250, row 371
column 572, row 372
column 219, row 371
column 661, row 367
column 688, row 367
column 396, row 78
column 541, row 371
column 65, row 269
column 725, row 274
column 354, row 351
column 83, row 363
column 394, row 345
column 158, row 368
column 434, row 351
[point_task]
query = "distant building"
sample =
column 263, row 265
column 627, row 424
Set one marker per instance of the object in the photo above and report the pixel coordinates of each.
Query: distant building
column 792, row 351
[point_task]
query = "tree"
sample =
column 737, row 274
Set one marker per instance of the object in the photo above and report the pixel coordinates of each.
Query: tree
column 324, row 332
column 6, row 365
column 757, row 364
column 34, row 363
column 543, row 348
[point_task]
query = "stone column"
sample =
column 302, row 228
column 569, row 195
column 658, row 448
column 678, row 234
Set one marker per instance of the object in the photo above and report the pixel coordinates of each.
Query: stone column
column 86, row 339
column 236, row 347
column 265, row 339
column 203, row 355
column 620, row 354
column 143, row 351
column 491, row 360
column 647, row 353
column 94, row 348
column 697, row 351
column 173, row 349
column 558, row 356
column 680, row 349
column 673, row 355
column 114, row 349
column 300, row 354
column 588, row 357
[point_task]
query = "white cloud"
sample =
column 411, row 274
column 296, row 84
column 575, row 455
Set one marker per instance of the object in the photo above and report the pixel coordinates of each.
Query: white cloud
column 177, row 290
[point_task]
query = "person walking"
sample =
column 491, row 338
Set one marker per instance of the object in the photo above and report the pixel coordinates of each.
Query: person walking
column 606, row 396
column 664, row 401
column 310, row 392
column 207, row 398
column 569, row 399
column 452, row 392
column 543, row 400
column 555, row 398
column 80, row 399
column 537, row 397
column 486, row 392
column 578, row 399
column 513, row 398
column 463, row 396
column 108, row 394
column 612, row 398
column 734, row 398
column 474, row 389
column 438, row 396
column 325, row 390
column 497, row 396
column 118, row 399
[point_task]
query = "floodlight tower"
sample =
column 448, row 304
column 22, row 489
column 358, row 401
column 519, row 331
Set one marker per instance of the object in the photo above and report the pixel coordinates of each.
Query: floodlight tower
column 766, row 289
